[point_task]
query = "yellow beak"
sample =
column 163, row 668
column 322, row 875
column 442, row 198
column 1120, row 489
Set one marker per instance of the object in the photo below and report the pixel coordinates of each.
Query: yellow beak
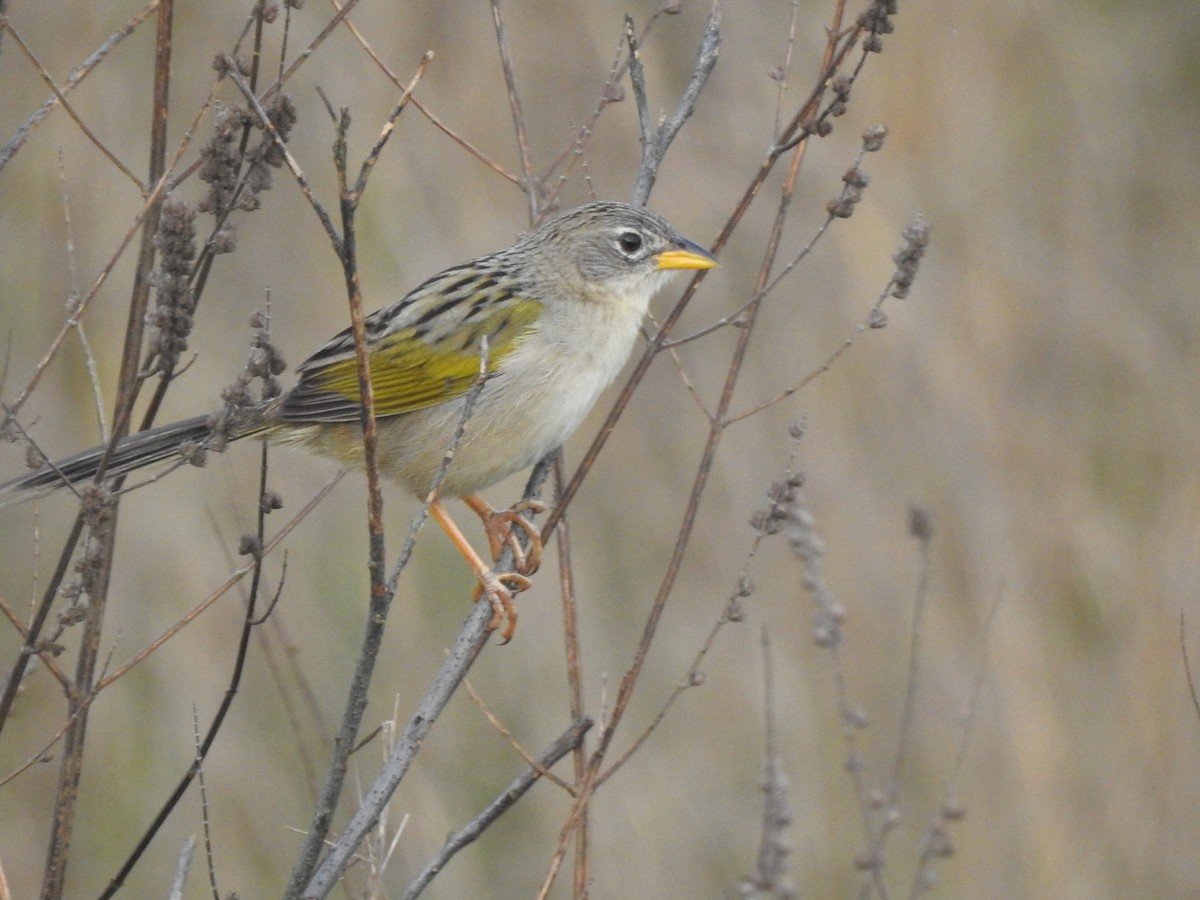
column 689, row 256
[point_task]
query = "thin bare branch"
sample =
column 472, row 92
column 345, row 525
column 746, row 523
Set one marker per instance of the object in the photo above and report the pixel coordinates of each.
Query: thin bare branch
column 732, row 610
column 770, row 871
column 383, row 589
column 935, row 844
column 14, row 143
column 574, row 660
column 205, row 821
column 518, row 115
column 89, row 358
column 656, row 142
column 322, row 214
column 467, row 646
column 221, row 590
column 85, row 301
column 196, row 768
column 566, row 742
column 182, row 863
column 850, row 195
column 916, row 237
column 505, row 732
column 308, row 879
column 316, row 42
column 389, row 126
column 43, row 754
column 922, row 530
column 780, row 74
column 61, row 97
column 1187, row 666
column 422, row 108
column 829, row 615
column 99, row 512
column 647, row 357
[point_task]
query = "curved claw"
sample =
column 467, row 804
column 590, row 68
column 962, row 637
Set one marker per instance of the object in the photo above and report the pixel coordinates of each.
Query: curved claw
column 499, row 526
column 504, row 611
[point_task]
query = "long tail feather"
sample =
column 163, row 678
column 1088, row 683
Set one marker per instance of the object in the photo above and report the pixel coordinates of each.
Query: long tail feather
column 142, row 449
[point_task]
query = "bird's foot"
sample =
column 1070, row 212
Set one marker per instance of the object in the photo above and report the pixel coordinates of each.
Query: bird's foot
column 501, row 528
column 500, row 590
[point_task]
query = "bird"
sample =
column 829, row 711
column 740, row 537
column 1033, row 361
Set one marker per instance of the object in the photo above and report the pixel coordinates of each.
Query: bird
column 552, row 319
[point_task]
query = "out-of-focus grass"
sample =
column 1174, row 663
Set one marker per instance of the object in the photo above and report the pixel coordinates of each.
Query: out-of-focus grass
column 1038, row 393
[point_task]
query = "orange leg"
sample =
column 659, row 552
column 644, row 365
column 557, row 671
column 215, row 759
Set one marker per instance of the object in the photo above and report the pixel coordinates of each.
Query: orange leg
column 499, row 527
column 493, row 586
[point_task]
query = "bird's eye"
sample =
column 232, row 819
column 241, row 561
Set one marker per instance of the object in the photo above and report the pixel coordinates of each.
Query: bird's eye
column 630, row 242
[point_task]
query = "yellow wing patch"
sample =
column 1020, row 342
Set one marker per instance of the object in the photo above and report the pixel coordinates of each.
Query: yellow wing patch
column 407, row 372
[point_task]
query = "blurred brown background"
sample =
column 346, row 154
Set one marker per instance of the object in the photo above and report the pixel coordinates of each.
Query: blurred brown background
column 1038, row 393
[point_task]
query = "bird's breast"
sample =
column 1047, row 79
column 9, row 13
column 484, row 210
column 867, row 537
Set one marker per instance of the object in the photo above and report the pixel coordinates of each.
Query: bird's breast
column 540, row 392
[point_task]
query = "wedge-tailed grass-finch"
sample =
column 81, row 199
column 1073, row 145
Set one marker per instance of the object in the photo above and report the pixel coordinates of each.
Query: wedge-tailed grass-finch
column 555, row 316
